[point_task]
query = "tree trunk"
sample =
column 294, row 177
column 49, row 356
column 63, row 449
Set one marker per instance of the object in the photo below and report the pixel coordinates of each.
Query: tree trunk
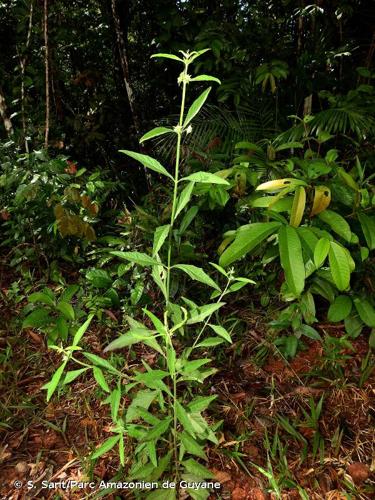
column 23, row 62
column 125, row 65
column 4, row 115
column 46, row 65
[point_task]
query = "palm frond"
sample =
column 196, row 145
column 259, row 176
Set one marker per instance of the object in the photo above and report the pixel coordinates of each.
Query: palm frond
column 248, row 122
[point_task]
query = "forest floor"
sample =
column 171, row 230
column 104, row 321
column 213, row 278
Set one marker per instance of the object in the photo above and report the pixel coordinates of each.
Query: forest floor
column 267, row 411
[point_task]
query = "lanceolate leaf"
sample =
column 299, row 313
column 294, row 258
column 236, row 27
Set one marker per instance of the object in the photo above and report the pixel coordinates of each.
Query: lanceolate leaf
column 167, row 56
column 322, row 198
column 82, row 330
column 160, row 235
column 339, row 264
column 205, row 178
column 246, row 240
column 137, row 257
column 53, row 383
column 196, row 273
column 337, row 223
column 184, row 198
column 106, row 446
column 298, row 206
column 148, row 162
column 131, row 337
column 196, row 106
column 203, row 312
column 291, row 259
column 155, row 132
column 205, row 78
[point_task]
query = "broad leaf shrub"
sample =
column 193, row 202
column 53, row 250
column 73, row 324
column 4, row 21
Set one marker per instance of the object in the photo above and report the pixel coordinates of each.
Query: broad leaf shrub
column 317, row 221
column 48, row 204
column 166, row 416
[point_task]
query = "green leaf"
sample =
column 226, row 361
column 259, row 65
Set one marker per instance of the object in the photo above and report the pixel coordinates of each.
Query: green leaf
column 148, row 162
column 155, row 132
column 82, row 330
column 197, row 469
column 159, row 429
column 106, row 446
column 151, row 448
column 66, row 309
column 188, row 219
column 222, row 332
column 201, row 403
column 197, row 274
column 143, row 399
column 114, row 400
column 205, row 178
column 41, row 297
column 310, row 332
column 162, row 494
column 99, row 278
column 340, row 308
column 339, row 264
column 53, row 383
column 133, row 336
column 247, row 238
column 37, row 319
column 183, row 418
column 353, row 325
column 321, row 251
column 368, row 228
column 337, row 223
column 196, row 106
column 206, row 78
column 191, row 445
column 184, row 198
column 203, row 312
column 167, row 56
column 291, row 259
column 160, row 235
column 366, row 311
column 72, row 375
column 137, row 257
column 99, row 377
column 98, row 361
column 210, row 342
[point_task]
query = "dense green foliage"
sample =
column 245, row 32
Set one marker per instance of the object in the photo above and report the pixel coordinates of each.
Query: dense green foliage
column 254, row 191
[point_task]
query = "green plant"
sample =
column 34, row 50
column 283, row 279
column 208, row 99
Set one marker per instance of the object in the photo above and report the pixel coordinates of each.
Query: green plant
column 44, row 200
column 319, row 248
column 165, row 416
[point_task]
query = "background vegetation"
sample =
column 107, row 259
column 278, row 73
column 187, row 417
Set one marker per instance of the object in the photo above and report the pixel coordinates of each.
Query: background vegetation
column 201, row 307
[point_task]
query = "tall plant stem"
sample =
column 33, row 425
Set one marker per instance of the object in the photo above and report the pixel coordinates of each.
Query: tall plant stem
column 179, row 130
column 175, row 189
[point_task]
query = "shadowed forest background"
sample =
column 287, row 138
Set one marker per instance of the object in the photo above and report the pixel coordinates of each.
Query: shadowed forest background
column 186, row 247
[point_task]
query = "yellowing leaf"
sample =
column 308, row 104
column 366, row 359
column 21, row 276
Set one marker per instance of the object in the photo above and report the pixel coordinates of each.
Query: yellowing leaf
column 322, row 199
column 279, row 184
column 298, row 207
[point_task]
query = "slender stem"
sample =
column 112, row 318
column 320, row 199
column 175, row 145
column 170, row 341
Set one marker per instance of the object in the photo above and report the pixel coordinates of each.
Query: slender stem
column 175, row 189
column 179, row 130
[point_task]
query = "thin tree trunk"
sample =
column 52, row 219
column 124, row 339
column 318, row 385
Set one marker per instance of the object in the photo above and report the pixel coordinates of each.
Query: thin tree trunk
column 23, row 61
column 46, row 65
column 4, row 115
column 125, row 66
